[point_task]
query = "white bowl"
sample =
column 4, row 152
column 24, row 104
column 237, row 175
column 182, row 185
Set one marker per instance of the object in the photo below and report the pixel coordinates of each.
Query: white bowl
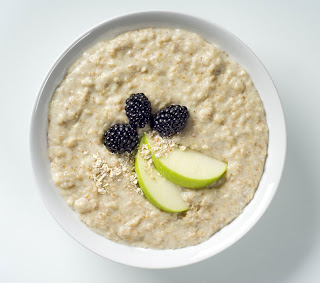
column 149, row 258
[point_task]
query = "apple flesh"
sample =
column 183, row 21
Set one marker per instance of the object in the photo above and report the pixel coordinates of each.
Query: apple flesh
column 159, row 191
column 188, row 168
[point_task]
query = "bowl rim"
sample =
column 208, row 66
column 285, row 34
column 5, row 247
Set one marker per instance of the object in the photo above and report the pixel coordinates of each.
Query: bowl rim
column 146, row 256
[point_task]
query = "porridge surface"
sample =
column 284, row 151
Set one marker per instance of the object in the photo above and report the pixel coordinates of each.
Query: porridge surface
column 171, row 66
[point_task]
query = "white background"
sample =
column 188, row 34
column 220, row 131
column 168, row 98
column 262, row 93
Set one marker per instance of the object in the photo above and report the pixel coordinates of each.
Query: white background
column 285, row 244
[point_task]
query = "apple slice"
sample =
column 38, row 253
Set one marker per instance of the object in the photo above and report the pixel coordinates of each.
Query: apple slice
column 188, row 168
column 159, row 191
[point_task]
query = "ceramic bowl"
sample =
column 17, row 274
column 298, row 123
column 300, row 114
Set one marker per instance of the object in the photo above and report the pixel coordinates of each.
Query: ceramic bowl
column 150, row 258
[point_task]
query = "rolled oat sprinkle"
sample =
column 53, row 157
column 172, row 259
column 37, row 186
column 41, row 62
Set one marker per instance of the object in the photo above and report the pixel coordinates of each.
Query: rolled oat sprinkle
column 103, row 175
column 161, row 146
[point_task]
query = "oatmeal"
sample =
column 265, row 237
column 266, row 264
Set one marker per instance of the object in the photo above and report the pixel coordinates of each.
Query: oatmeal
column 171, row 66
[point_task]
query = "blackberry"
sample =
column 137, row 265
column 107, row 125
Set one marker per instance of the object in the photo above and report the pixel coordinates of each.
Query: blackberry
column 138, row 109
column 121, row 138
column 170, row 120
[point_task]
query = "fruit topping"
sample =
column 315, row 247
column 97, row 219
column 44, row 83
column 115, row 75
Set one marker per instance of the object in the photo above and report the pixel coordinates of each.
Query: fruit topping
column 170, row 120
column 138, row 109
column 187, row 168
column 162, row 193
column 121, row 138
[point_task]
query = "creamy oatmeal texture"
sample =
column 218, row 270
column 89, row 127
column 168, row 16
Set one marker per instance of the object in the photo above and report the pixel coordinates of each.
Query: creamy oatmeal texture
column 171, row 66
